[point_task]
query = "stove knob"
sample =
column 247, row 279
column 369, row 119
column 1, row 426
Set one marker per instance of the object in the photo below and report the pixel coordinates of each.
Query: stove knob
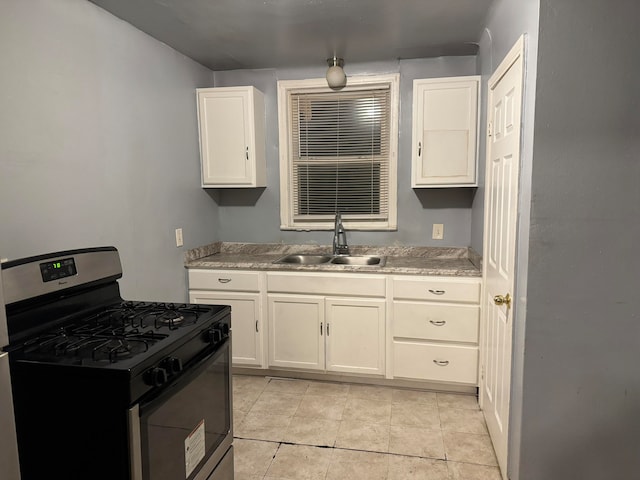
column 156, row 376
column 172, row 365
column 214, row 335
column 225, row 330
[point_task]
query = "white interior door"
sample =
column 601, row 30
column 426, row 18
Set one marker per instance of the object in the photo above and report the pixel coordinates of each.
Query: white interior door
column 501, row 206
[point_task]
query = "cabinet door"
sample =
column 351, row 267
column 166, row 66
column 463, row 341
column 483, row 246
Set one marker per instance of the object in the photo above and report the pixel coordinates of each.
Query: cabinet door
column 246, row 325
column 231, row 122
column 445, row 118
column 296, row 331
column 355, row 335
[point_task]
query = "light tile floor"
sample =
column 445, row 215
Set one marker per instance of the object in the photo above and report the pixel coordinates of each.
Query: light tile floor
column 306, row 430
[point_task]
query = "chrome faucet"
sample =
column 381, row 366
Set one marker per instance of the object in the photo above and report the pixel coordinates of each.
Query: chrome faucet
column 340, row 246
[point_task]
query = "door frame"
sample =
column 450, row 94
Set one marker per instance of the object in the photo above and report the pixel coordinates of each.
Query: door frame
column 516, row 52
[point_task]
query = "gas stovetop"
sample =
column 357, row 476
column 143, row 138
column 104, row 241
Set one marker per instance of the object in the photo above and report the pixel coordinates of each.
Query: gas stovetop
column 122, row 332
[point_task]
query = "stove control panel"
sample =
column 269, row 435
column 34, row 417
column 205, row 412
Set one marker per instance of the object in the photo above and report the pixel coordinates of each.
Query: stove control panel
column 58, row 269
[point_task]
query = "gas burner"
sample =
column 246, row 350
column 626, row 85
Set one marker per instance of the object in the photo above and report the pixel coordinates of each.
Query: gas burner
column 115, row 349
column 170, row 321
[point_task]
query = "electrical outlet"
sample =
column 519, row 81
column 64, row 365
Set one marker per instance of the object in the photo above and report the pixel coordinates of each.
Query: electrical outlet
column 438, row 231
column 179, row 241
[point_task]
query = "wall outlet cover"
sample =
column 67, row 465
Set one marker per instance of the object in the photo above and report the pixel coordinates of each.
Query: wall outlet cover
column 438, row 231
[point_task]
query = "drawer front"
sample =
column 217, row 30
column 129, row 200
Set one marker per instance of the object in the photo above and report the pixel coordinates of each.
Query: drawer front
column 452, row 323
column 226, row 280
column 437, row 290
column 334, row 285
column 439, row 363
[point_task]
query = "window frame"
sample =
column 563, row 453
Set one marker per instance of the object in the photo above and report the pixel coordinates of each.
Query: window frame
column 319, row 85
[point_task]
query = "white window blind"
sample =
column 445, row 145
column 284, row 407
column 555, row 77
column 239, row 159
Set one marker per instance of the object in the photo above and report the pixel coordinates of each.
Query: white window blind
column 340, row 154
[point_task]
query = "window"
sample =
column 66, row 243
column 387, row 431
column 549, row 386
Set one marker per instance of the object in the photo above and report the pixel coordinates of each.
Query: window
column 338, row 153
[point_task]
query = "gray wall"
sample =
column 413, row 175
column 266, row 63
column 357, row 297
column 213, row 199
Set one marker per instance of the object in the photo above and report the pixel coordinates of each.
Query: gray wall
column 98, row 142
column 581, row 411
column 254, row 216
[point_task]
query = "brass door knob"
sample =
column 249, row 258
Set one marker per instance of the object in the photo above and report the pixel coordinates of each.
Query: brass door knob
column 500, row 300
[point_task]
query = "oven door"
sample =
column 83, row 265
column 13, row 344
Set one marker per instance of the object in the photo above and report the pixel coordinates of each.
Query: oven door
column 185, row 431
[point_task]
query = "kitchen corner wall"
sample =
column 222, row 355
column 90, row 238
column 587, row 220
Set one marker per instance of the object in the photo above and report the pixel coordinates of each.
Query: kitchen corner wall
column 254, row 215
column 99, row 143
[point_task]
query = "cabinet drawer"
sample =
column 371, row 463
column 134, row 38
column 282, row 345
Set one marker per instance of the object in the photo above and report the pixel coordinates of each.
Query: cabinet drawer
column 426, row 361
column 342, row 284
column 437, row 290
column 454, row 323
column 226, row 280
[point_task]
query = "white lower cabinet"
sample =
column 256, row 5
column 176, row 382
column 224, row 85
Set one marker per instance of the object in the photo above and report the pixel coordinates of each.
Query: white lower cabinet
column 332, row 334
column 355, row 335
column 311, row 331
column 295, row 336
column 435, row 329
column 221, row 287
column 398, row 327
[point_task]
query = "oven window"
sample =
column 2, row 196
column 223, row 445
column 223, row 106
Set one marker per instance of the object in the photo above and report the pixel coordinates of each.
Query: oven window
column 179, row 431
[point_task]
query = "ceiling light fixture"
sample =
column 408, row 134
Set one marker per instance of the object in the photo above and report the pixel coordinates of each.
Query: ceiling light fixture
column 336, row 77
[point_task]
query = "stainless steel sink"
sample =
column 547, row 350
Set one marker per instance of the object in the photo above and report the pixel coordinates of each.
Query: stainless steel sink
column 305, row 259
column 359, row 260
column 319, row 259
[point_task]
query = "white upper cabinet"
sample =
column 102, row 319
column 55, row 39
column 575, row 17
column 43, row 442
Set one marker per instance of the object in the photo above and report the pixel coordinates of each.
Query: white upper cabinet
column 445, row 132
column 232, row 137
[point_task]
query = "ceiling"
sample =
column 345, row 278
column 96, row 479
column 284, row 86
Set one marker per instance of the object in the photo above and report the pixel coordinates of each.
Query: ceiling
column 250, row 34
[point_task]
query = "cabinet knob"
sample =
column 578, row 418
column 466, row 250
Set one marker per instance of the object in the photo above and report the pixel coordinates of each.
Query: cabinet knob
column 437, row 323
column 441, row 363
column 246, row 153
column 224, row 280
column 436, row 292
column 419, row 148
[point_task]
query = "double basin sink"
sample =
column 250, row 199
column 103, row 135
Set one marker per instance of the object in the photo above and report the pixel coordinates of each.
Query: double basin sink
column 319, row 259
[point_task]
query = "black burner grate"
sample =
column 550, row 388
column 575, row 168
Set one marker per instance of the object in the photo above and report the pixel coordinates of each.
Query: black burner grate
column 115, row 333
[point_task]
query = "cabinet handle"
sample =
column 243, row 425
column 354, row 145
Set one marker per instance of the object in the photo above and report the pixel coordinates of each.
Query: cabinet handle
column 256, row 326
column 419, row 149
column 320, row 328
column 441, row 363
column 224, row 280
column 246, row 153
column 327, row 329
column 437, row 323
column 437, row 292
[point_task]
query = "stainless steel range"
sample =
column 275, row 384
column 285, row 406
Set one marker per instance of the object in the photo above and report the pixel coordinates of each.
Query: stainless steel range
column 105, row 388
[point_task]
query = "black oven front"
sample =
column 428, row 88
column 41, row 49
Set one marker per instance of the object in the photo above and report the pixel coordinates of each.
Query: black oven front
column 184, row 431
column 109, row 389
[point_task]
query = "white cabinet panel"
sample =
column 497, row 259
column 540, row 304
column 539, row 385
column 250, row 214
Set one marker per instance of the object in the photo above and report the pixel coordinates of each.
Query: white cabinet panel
column 355, row 335
column 444, row 363
column 445, row 131
column 435, row 289
column 342, row 284
column 232, row 137
column 296, row 331
column 228, row 280
column 246, row 325
column 444, row 322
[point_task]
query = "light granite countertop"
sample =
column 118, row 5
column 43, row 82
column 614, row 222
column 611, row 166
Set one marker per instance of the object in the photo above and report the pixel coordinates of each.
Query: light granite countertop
column 461, row 262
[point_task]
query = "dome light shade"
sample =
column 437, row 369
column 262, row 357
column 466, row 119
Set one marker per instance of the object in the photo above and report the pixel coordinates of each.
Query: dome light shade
column 336, row 77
